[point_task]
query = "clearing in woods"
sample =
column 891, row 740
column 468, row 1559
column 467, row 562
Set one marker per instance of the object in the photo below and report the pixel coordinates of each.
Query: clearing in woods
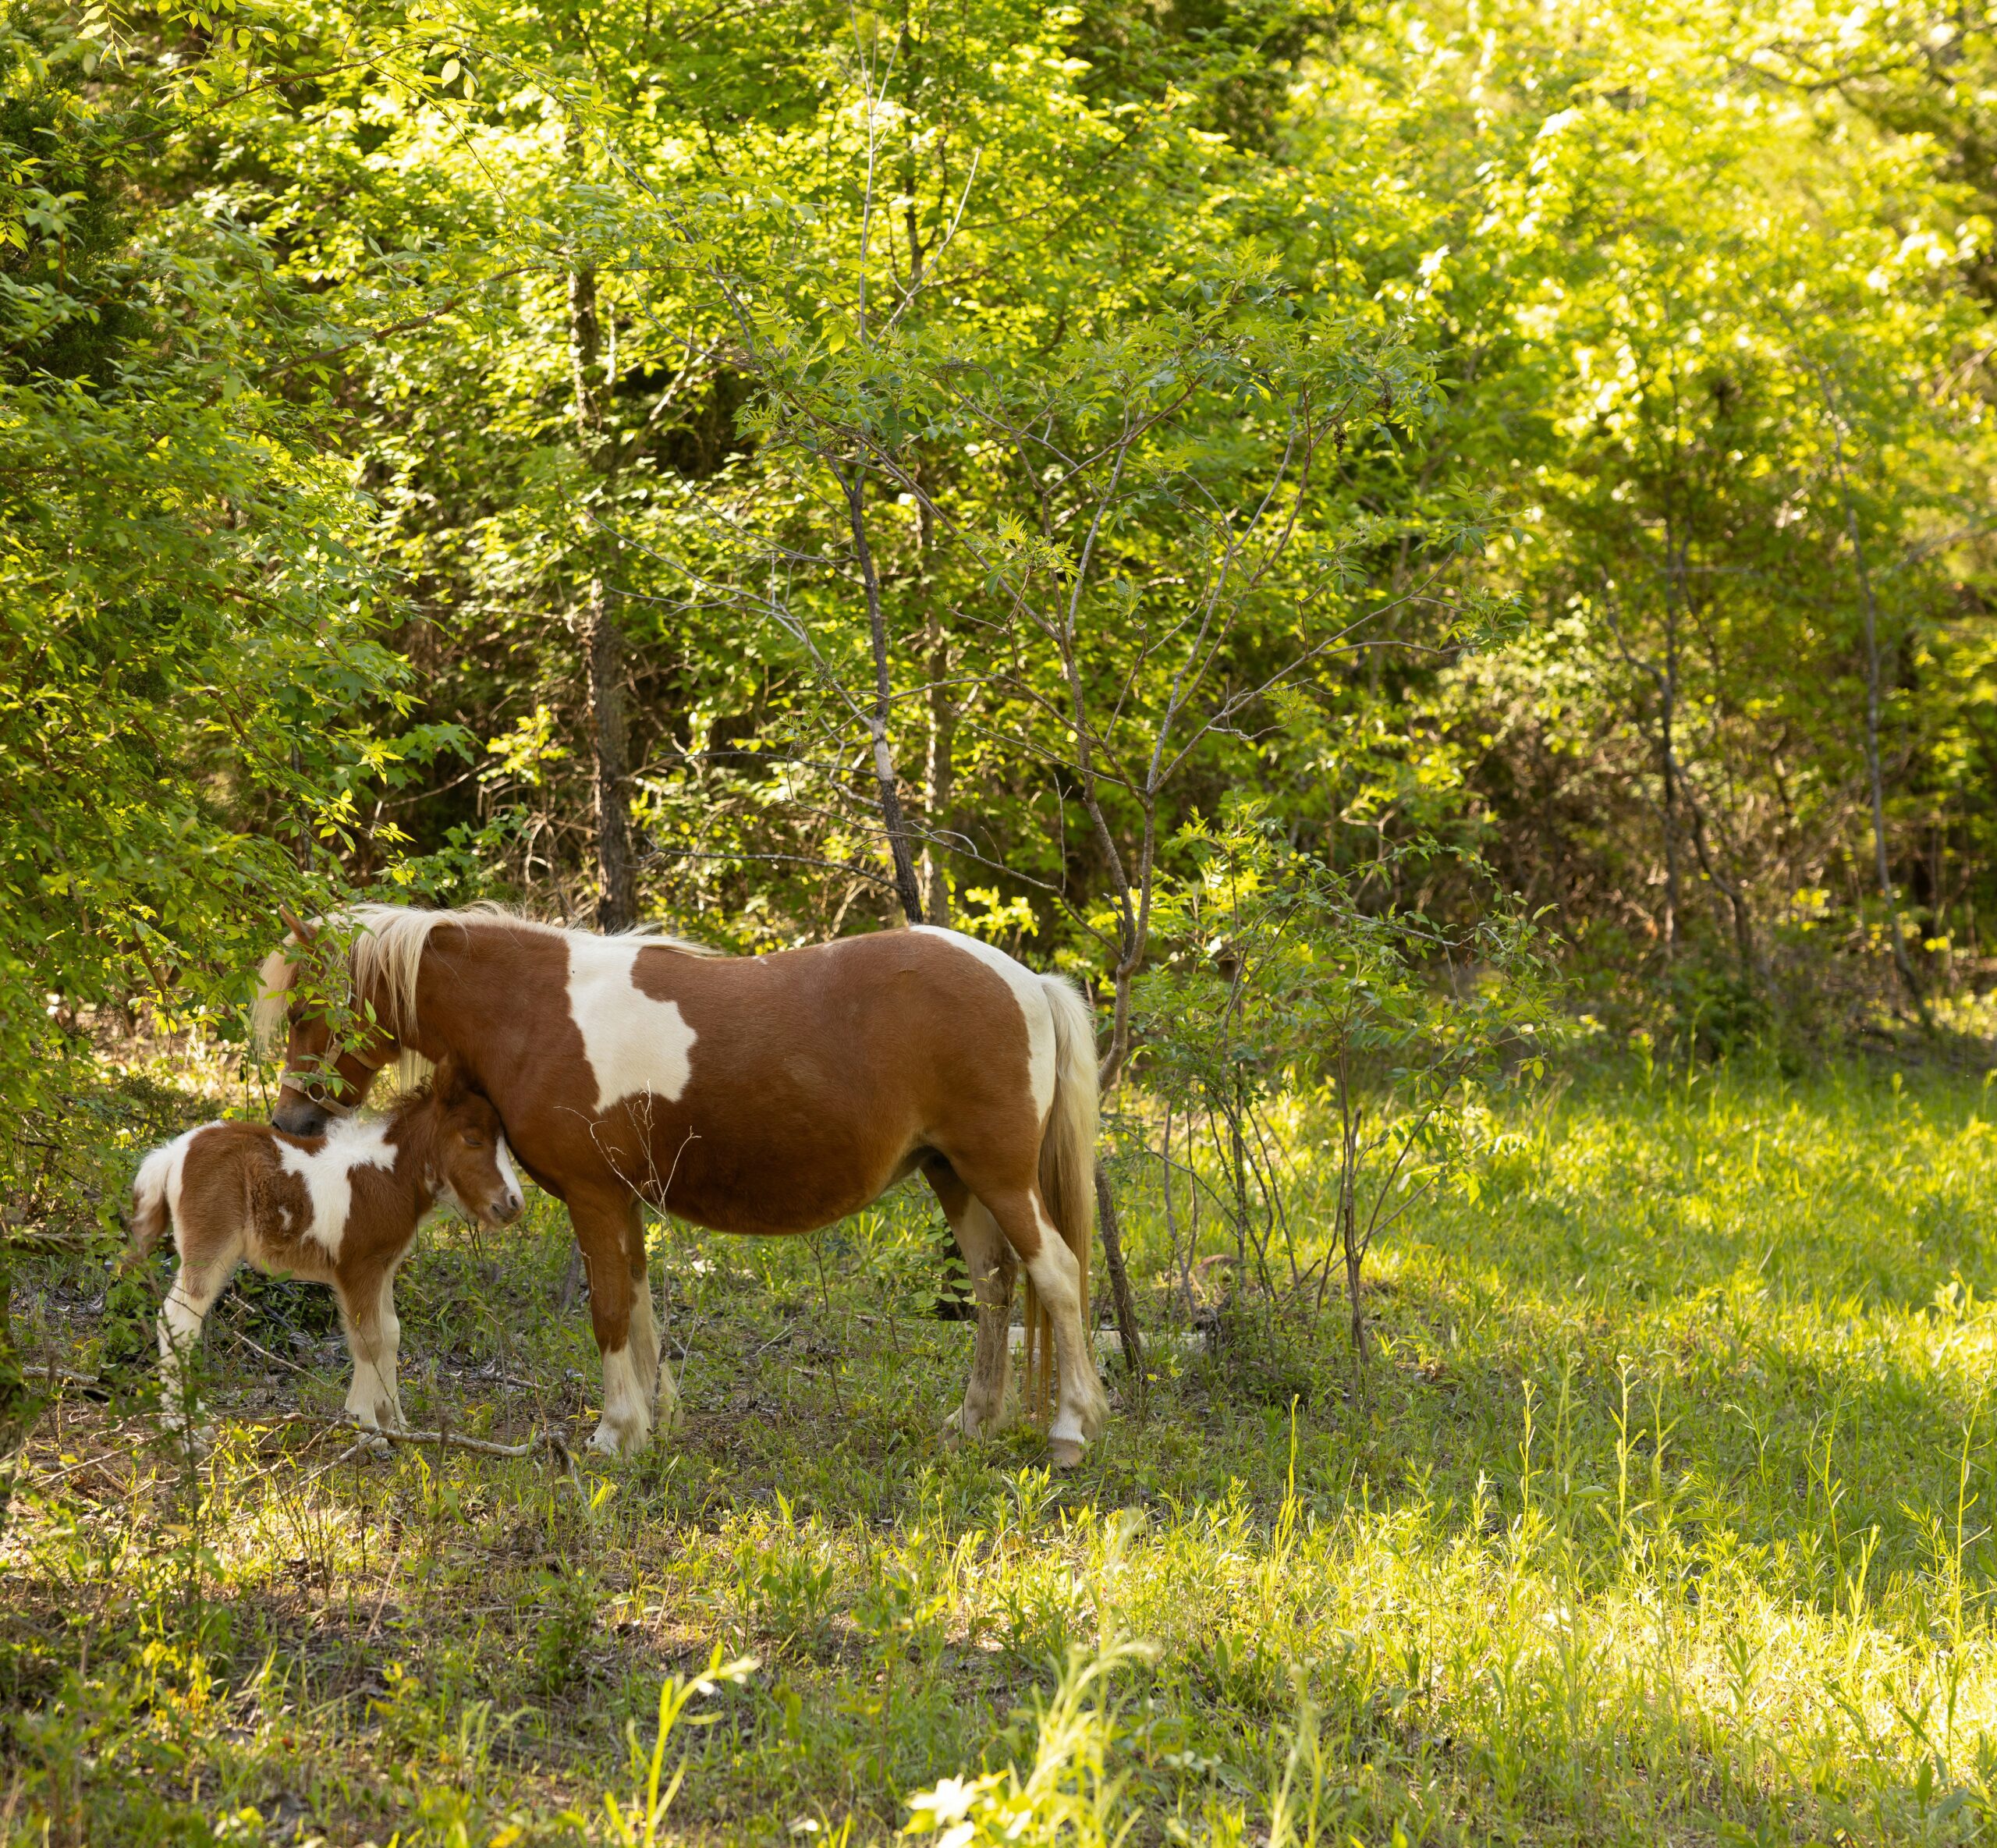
column 1667, row 1515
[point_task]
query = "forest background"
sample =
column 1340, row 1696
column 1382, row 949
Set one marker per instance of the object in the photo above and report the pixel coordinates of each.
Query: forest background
column 782, row 469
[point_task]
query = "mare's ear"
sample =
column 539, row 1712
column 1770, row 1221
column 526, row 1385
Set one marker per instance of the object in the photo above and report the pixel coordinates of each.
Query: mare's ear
column 305, row 933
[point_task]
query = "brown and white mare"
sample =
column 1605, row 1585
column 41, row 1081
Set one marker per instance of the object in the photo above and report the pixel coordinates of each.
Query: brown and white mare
column 341, row 1208
column 767, row 1095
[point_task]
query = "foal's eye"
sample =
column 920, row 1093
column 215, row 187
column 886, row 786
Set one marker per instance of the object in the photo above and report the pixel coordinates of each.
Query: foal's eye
column 472, row 1141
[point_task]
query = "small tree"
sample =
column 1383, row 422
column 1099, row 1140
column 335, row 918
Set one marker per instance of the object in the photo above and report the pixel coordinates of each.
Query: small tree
column 1284, row 978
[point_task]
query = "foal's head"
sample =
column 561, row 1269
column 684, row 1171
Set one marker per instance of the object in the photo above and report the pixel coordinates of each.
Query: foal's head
column 452, row 1130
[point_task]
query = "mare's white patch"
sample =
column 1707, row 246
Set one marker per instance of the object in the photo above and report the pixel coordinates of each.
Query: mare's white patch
column 634, row 1044
column 328, row 1174
column 1033, row 1005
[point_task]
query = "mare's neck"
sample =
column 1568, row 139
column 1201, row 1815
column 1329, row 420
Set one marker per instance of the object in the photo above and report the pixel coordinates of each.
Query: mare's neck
column 481, row 992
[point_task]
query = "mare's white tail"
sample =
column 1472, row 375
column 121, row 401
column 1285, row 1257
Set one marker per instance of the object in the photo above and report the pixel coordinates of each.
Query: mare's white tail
column 1067, row 1172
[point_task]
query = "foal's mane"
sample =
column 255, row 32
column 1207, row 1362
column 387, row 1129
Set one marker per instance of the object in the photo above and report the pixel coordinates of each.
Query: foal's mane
column 387, row 946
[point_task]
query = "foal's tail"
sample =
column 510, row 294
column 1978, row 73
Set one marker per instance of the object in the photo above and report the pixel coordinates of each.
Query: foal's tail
column 150, row 1219
column 1067, row 1166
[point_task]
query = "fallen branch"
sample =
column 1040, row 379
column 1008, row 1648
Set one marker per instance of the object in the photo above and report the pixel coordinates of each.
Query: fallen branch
column 434, row 1439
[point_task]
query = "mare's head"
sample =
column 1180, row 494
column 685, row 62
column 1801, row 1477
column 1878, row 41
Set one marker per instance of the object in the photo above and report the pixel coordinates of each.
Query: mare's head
column 335, row 1037
column 450, row 1126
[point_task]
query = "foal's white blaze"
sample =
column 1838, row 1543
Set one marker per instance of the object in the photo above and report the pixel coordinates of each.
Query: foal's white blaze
column 327, row 1174
column 506, row 1173
column 634, row 1043
column 1032, row 999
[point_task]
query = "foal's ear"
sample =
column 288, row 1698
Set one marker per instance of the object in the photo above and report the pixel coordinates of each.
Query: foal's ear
column 305, row 933
column 447, row 1082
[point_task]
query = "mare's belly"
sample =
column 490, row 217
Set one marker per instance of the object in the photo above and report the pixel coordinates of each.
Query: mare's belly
column 774, row 1191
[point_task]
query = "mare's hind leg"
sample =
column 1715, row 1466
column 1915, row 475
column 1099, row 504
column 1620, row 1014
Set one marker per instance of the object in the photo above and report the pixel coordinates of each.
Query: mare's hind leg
column 1082, row 1407
column 989, row 1260
column 611, row 1231
column 203, row 1275
column 367, row 1313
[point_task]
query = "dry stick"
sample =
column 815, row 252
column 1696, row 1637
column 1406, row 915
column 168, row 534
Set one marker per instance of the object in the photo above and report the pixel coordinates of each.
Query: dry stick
column 450, row 1439
column 1119, row 1280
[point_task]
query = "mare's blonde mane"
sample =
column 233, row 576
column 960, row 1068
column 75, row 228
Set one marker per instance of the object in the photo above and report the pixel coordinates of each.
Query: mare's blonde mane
column 386, row 953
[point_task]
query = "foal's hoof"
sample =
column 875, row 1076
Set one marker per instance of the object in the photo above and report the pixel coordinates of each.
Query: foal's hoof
column 1064, row 1453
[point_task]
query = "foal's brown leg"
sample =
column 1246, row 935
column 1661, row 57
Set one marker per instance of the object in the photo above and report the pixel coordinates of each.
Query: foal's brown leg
column 367, row 1313
column 207, row 1264
column 989, row 1260
column 610, row 1229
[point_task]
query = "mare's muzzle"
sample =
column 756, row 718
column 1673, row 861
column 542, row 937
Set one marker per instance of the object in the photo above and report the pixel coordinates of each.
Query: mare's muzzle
column 301, row 1117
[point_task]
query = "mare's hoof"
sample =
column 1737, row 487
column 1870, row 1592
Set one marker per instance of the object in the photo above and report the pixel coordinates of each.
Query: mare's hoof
column 1064, row 1453
column 612, row 1442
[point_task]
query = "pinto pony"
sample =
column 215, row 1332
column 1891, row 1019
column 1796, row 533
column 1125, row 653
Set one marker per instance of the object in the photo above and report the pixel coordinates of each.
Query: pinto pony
column 766, row 1094
column 341, row 1208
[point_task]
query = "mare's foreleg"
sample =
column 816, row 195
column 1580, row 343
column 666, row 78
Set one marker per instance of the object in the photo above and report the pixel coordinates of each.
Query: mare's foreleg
column 989, row 1260
column 611, row 1231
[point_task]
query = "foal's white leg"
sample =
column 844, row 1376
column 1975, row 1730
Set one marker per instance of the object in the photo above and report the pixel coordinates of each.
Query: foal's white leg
column 372, row 1333
column 195, row 1288
column 388, row 1349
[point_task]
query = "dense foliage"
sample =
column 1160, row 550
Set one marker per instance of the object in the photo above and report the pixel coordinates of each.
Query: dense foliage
column 818, row 466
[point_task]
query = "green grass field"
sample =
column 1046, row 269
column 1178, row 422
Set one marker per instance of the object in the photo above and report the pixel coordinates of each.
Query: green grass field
column 1665, row 1514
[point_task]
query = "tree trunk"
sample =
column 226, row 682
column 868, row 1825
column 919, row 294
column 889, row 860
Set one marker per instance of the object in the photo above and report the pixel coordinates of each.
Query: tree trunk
column 888, row 789
column 602, row 642
column 19, row 1407
column 1119, row 1277
column 603, row 655
column 1667, row 747
column 942, row 771
column 1875, row 776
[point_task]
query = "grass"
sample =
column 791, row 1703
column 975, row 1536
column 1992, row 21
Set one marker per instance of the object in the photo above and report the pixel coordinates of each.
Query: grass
column 1665, row 1514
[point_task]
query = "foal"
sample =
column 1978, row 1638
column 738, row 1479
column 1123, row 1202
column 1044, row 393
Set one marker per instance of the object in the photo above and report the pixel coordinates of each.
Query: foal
column 341, row 1208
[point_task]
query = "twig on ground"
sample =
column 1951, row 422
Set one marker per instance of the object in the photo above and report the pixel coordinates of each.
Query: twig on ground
column 452, row 1439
